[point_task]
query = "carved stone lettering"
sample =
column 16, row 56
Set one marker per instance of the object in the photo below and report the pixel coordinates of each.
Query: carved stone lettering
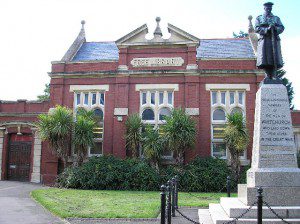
column 157, row 62
column 275, row 126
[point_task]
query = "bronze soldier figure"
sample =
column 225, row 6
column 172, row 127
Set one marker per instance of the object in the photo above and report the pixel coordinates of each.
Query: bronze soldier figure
column 269, row 55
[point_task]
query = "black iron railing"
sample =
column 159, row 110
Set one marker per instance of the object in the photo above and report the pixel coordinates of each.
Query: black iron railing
column 169, row 203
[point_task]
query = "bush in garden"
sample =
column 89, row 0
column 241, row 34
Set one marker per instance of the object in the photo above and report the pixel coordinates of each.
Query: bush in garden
column 204, row 175
column 111, row 173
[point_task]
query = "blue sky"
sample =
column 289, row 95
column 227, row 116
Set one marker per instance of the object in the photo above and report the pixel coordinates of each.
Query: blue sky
column 34, row 32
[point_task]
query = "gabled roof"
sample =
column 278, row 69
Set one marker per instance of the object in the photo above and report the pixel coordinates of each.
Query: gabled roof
column 90, row 51
column 177, row 31
column 142, row 30
column 234, row 48
column 73, row 49
column 137, row 37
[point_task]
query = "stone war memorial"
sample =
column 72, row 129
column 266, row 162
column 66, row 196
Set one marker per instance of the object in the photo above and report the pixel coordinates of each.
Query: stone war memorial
column 274, row 169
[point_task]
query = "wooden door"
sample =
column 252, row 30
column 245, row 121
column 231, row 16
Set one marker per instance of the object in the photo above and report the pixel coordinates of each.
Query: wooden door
column 19, row 160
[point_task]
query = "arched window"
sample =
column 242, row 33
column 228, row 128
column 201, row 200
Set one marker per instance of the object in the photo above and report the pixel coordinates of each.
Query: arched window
column 219, row 115
column 98, row 114
column 148, row 115
column 98, row 131
column 237, row 110
column 163, row 113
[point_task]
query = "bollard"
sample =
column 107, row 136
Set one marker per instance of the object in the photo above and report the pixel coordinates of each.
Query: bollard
column 163, row 204
column 228, row 187
column 173, row 197
column 259, row 205
column 176, row 191
column 169, row 189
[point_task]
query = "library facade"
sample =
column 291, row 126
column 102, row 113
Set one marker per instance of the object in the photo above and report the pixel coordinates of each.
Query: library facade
column 208, row 78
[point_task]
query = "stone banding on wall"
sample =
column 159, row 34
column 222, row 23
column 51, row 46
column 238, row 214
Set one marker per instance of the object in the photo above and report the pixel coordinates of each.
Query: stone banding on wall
column 1, row 148
column 121, row 111
column 139, row 87
column 227, row 86
column 37, row 154
column 74, row 88
column 192, row 111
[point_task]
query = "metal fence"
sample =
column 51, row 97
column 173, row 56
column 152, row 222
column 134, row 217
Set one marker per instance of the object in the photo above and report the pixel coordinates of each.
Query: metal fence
column 169, row 203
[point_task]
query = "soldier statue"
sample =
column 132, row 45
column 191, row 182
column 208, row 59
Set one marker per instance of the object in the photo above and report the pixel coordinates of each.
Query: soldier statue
column 269, row 55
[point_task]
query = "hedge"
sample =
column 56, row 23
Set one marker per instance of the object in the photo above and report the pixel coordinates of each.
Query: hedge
column 111, row 173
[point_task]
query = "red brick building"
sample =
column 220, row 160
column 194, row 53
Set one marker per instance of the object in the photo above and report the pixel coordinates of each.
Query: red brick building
column 206, row 77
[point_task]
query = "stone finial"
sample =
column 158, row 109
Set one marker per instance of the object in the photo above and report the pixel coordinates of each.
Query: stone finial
column 250, row 26
column 252, row 35
column 157, row 31
column 82, row 24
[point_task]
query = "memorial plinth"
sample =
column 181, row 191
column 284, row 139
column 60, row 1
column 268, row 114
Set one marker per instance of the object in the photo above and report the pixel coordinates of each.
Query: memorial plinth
column 274, row 160
column 274, row 164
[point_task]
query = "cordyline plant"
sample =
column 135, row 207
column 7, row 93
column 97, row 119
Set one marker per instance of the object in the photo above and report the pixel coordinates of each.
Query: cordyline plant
column 56, row 128
column 153, row 146
column 133, row 135
column 61, row 130
column 237, row 138
column 83, row 136
column 179, row 133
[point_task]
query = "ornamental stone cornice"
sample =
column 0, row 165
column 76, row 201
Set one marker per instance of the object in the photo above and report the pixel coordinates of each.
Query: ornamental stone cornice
column 5, row 114
column 140, row 73
column 4, row 125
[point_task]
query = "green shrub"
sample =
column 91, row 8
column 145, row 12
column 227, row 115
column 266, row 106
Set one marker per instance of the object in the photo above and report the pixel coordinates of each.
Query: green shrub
column 69, row 178
column 141, row 176
column 111, row 173
column 204, row 175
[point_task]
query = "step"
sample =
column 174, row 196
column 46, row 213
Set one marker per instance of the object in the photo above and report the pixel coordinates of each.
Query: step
column 234, row 208
column 219, row 216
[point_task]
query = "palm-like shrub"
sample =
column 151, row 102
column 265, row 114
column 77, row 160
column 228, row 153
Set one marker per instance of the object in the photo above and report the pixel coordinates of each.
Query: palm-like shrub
column 153, row 145
column 61, row 130
column 237, row 139
column 83, row 134
column 56, row 128
column 179, row 133
column 133, row 135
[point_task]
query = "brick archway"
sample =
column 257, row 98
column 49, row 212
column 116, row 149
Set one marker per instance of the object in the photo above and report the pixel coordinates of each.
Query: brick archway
column 20, row 152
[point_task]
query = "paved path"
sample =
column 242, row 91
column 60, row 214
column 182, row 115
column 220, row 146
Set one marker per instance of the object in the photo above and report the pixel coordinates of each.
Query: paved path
column 190, row 212
column 16, row 206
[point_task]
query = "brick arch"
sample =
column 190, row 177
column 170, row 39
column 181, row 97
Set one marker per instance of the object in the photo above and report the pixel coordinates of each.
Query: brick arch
column 17, row 129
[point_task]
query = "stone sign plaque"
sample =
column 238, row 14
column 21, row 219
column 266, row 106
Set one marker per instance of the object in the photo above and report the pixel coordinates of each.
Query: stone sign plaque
column 157, row 62
column 276, row 126
column 273, row 142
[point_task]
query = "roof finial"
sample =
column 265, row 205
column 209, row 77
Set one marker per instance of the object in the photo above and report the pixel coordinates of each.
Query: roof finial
column 250, row 26
column 157, row 31
column 82, row 24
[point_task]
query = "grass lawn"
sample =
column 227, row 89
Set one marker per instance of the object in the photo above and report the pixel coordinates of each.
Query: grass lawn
column 68, row 203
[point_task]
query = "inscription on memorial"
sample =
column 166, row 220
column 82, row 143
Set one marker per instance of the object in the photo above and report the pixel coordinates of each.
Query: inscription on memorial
column 157, row 62
column 276, row 126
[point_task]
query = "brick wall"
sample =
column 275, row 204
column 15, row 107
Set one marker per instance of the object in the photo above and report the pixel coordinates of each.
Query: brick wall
column 122, row 94
column 296, row 117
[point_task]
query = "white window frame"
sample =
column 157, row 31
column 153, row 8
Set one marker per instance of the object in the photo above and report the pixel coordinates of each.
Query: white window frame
column 157, row 88
column 155, row 107
column 227, row 108
column 90, row 89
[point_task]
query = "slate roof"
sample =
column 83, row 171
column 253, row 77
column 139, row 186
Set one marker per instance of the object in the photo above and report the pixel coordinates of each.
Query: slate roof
column 209, row 48
column 225, row 48
column 90, row 51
